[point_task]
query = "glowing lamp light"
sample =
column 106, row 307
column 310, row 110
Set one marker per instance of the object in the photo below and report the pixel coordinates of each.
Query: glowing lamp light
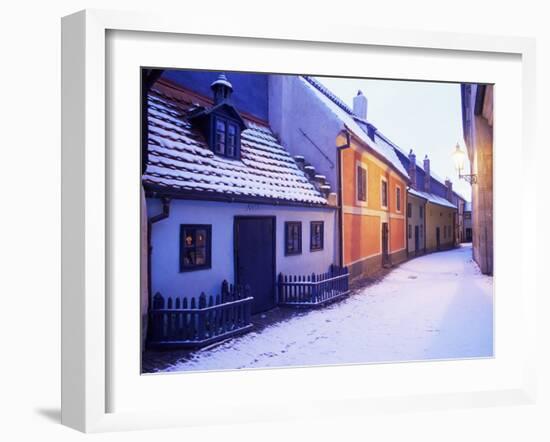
column 459, row 158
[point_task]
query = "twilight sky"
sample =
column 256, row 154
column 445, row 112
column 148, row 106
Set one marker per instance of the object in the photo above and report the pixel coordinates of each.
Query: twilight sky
column 422, row 116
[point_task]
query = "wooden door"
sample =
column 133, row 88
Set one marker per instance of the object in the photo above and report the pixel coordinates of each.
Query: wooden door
column 255, row 259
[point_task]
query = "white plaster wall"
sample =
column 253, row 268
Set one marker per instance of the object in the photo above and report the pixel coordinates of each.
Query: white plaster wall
column 294, row 107
column 165, row 275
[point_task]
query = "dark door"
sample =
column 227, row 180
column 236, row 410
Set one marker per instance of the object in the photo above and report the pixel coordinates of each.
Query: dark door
column 416, row 240
column 385, row 246
column 437, row 238
column 255, row 259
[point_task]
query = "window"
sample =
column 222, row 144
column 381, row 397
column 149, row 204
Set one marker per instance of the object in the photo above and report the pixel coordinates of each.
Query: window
column 195, row 247
column 317, row 229
column 384, row 193
column 410, row 231
column 231, row 140
column 220, row 137
column 421, row 212
column 361, row 183
column 409, row 210
column 398, row 199
column 467, row 215
column 226, row 138
column 293, row 238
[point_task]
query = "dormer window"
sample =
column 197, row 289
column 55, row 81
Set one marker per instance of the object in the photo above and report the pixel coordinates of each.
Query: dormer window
column 226, row 139
column 222, row 124
column 220, row 137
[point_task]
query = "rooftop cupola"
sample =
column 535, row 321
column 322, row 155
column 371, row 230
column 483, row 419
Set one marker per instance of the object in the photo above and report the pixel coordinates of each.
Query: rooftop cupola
column 360, row 105
column 222, row 89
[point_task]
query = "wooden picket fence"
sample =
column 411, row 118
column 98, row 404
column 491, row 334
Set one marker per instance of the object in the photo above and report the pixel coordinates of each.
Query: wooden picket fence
column 182, row 322
column 313, row 290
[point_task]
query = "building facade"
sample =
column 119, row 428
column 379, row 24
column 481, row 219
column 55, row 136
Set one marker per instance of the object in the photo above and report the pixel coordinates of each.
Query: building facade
column 477, row 121
column 225, row 200
column 370, row 181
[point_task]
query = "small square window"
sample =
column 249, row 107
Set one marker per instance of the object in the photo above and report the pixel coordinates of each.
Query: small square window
column 195, row 247
column 317, row 229
column 293, row 238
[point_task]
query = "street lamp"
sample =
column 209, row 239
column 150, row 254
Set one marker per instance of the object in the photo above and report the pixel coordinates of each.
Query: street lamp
column 459, row 158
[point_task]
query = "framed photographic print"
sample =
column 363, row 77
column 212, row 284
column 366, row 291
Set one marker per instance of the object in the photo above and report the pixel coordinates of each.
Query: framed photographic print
column 264, row 224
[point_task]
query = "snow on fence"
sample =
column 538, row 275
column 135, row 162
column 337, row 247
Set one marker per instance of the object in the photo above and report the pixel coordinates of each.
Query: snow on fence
column 179, row 322
column 313, row 290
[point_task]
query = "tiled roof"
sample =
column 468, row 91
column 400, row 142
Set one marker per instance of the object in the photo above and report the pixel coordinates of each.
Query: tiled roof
column 179, row 159
column 432, row 198
column 357, row 126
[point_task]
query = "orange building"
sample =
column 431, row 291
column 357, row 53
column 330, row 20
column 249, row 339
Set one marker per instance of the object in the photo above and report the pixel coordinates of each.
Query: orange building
column 371, row 182
column 373, row 209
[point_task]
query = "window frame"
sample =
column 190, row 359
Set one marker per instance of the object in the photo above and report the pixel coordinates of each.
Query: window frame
column 288, row 224
column 409, row 210
column 364, row 167
column 207, row 246
column 322, row 246
column 227, row 122
column 382, row 194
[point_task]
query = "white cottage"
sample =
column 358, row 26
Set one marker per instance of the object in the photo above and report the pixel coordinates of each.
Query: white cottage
column 226, row 201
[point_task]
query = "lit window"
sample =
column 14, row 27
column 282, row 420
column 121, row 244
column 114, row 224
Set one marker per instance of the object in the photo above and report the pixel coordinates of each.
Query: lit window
column 316, row 235
column 293, row 238
column 195, row 247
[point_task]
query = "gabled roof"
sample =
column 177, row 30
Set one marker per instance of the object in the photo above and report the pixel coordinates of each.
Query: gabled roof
column 355, row 125
column 181, row 163
column 432, row 198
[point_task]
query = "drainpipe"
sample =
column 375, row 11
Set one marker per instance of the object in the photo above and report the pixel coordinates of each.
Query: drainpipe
column 340, row 201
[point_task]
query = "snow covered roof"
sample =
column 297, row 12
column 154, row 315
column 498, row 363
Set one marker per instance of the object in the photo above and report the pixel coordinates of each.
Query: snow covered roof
column 357, row 126
column 180, row 161
column 432, row 198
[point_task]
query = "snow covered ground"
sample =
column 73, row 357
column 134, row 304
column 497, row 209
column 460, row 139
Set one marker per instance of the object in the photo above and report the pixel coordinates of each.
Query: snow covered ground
column 433, row 307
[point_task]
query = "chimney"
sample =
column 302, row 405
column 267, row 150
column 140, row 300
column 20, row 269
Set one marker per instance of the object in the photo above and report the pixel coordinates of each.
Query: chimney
column 449, row 185
column 360, row 105
column 222, row 89
column 427, row 174
column 412, row 168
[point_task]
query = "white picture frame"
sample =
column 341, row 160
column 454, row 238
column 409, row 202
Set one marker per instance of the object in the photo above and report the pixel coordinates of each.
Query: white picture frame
column 86, row 317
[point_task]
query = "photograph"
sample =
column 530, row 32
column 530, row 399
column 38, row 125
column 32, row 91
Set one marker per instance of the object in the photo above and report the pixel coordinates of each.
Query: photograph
column 307, row 220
